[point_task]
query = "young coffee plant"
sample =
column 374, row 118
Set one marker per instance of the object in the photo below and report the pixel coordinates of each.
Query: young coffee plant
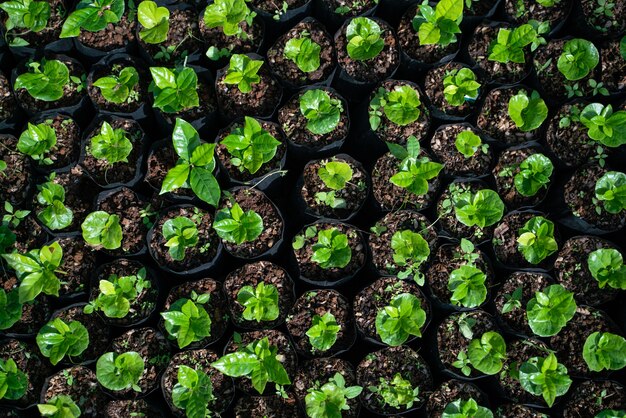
column 60, row 406
column 321, row 111
column 323, row 332
column 332, row 249
column 413, row 171
column 604, row 125
column 45, row 80
column 468, row 144
column 110, row 145
column 536, row 240
column 117, row 294
column 58, row 339
column 236, row 226
column 92, row 16
column 513, row 301
column 257, row 361
column 606, row 265
column 187, row 320
column 155, row 21
column 467, row 284
column 400, row 105
column 195, row 165
column 403, row 317
column 438, row 25
column 24, row 16
column 55, row 215
column 487, row 353
column 578, row 59
column 193, row 392
column 119, row 86
column 37, row 141
column 304, row 52
column 466, row 408
column 37, row 271
column 229, row 15
column 397, row 393
column 604, row 351
column 102, row 230
column 243, row 72
column 611, row 191
column 174, row 90
column 410, row 251
column 260, row 303
column 550, row 310
column 460, row 86
column 250, row 146
column 180, row 234
column 13, row 381
column 331, row 398
column 527, row 112
column 335, row 175
column 546, row 377
column 534, row 173
column 365, row 39
column 13, row 217
column 118, row 372
column 482, row 208
column 509, row 45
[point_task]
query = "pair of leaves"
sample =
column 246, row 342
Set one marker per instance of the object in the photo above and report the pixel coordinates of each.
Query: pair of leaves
column 536, row 239
column 187, row 320
column 193, row 392
column 243, row 72
column 604, row 351
column 250, row 146
column 304, row 52
column 544, row 376
column 120, row 371
column 335, row 174
column 332, row 249
column 92, row 16
column 26, row 14
column 410, row 251
column 37, row 141
column 260, row 303
column 229, row 15
column 58, row 338
column 439, row 25
column 60, row 406
column 118, row 88
column 331, row 398
column 550, row 310
column 364, row 37
column 321, row 111
column 413, row 172
column 467, row 284
column 235, row 225
column 44, row 80
column 510, row 43
column 180, row 233
column 111, row 145
column 606, row 265
column 534, row 173
column 604, row 125
column 13, row 381
column 155, row 21
column 400, row 319
column 578, row 59
column 611, row 190
column 323, row 331
column 101, row 229
column 528, row 113
column 174, row 90
column 460, row 86
column 55, row 215
column 483, row 208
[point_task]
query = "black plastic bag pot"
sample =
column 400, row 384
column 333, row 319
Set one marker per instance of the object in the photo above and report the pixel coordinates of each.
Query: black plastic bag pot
column 334, row 20
column 276, row 24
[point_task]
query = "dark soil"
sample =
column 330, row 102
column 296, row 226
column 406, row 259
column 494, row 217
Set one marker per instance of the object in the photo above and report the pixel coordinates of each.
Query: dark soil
column 320, row 302
column 287, row 70
column 312, row 271
column 504, row 173
column 518, row 352
column 356, row 8
column 160, row 160
column 516, row 411
column 294, row 123
column 152, row 347
column 479, row 8
column 455, row 163
column 266, row 406
column 113, row 36
column 140, row 90
column 28, row 360
column 29, row 234
column 128, row 205
column 613, row 66
column 67, row 148
column 16, row 178
column 237, row 45
column 570, row 144
column 251, row 275
column 131, row 409
column 579, row 195
column 8, row 105
column 80, row 384
column 530, row 283
column 599, row 21
column 354, row 193
column 223, row 387
column 450, row 391
column 385, row 364
column 523, row 11
column 433, row 85
column 240, row 173
column 592, row 397
column 78, row 264
column 99, row 333
column 272, row 7
column 202, row 253
column 215, row 307
column 372, row 299
column 183, row 35
column 374, row 69
column 572, row 270
column 505, row 238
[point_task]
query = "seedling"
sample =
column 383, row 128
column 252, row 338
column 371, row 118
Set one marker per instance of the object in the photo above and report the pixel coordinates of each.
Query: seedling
column 482, row 208
column 257, row 361
column 25, row 15
column 610, row 189
column 607, row 267
column 243, row 72
column 410, row 251
column 335, row 175
column 546, row 377
column 513, row 301
column 460, row 86
column 550, row 310
column 13, row 217
column 118, row 372
column 117, row 293
column 155, row 21
column 195, row 166
column 400, row 105
column 250, row 146
column 229, row 15
column 236, row 226
column 181, row 233
column 102, row 230
column 534, row 173
column 55, row 215
column 37, row 141
column 304, row 52
column 509, row 45
column 487, row 353
column 414, row 171
column 403, row 317
column 467, row 284
column 578, row 59
column 110, row 145
column 174, row 90
column 260, row 303
column 37, row 271
column 536, row 240
column 60, row 406
column 468, row 144
column 466, row 408
column 187, row 320
column 13, row 381
column 604, row 351
column 331, row 398
column 439, row 25
column 364, row 37
column 604, row 125
column 58, row 339
column 323, row 331
column 332, row 249
column 92, row 16
column 528, row 113
column 119, row 86
column 193, row 392
column 46, row 79
column 321, row 111
column 398, row 393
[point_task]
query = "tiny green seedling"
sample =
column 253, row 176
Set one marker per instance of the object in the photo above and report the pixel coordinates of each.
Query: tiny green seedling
column 527, row 112
column 604, row 351
column 187, row 320
column 398, row 393
column 24, row 16
column 546, row 377
column 46, row 79
column 92, row 16
column 410, row 251
column 606, row 265
column 119, row 372
column 119, row 86
column 193, row 392
column 236, row 226
column 102, row 230
column 304, row 52
column 180, row 234
column 439, row 25
column 260, row 303
column 509, row 45
column 60, row 406
column 513, row 301
column 550, row 310
column 250, row 146
column 466, row 408
column 611, row 191
column 38, row 141
column 13, row 381
column 400, row 106
column 604, row 125
column 323, row 332
column 534, row 173
column 243, row 72
column 58, row 339
column 468, row 144
column 332, row 249
column 322, row 112
column 414, row 171
column 467, row 284
column 365, row 39
column 460, row 86
column 335, row 175
column 174, row 90
column 536, row 240
column 118, row 293
column 483, row 208
column 229, row 15
column 55, row 215
column 403, row 317
column 110, row 145
column 331, row 398
column 578, row 59
column 155, row 21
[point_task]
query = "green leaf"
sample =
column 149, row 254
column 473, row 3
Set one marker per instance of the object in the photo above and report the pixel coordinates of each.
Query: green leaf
column 528, row 113
column 467, row 143
column 400, row 319
column 606, row 265
column 92, row 16
column 534, row 173
column 487, row 353
column 364, row 37
column 155, row 21
column 466, row 408
column 536, row 239
column 60, row 406
column 578, row 59
column 322, row 113
column 335, row 174
column 483, row 208
column 304, row 53
column 550, row 310
column 205, row 185
column 604, row 351
column 544, row 376
column 101, row 229
column 175, row 178
column 119, row 371
column 111, row 145
column 44, row 80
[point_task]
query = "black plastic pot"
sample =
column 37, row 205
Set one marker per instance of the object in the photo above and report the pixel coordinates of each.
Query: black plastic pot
column 286, row 20
column 92, row 55
column 334, row 20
